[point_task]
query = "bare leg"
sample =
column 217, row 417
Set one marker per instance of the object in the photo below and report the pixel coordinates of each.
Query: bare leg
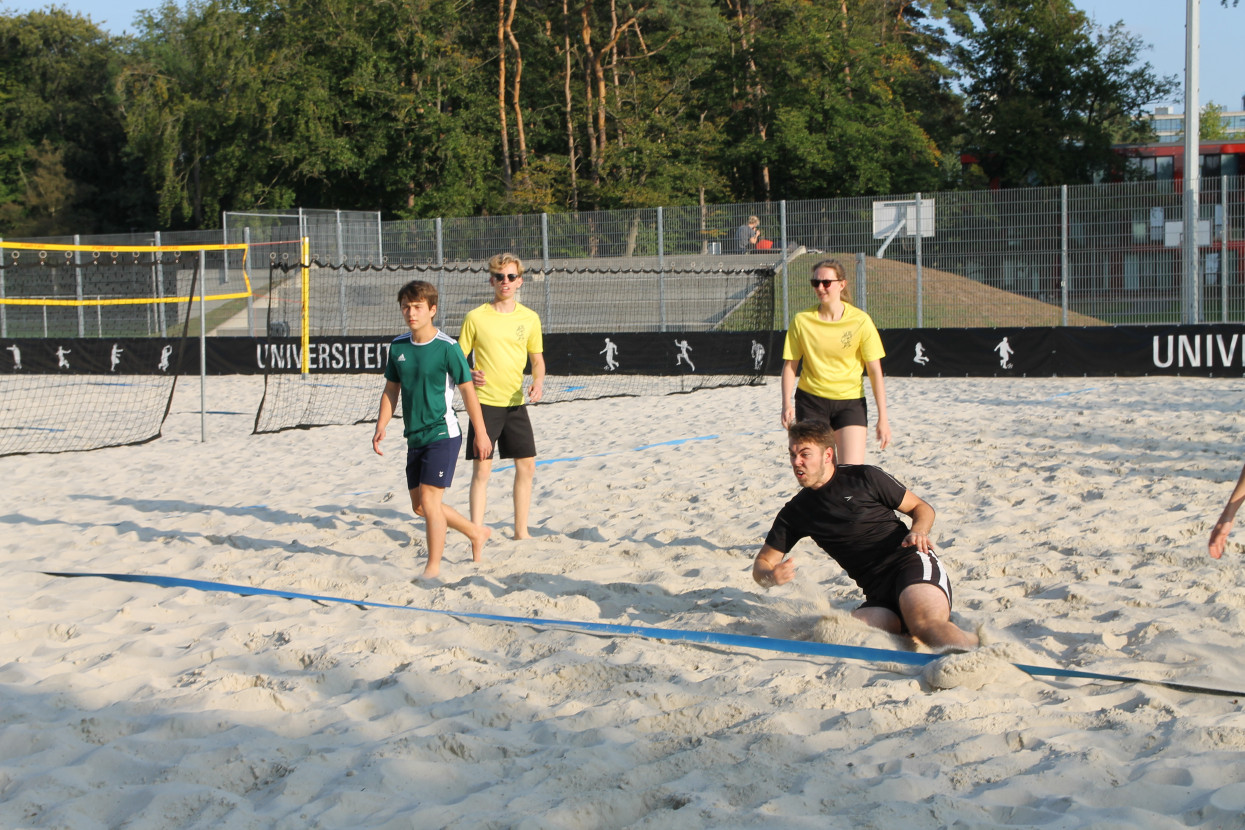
column 480, row 471
column 849, row 445
column 928, row 614
column 524, row 473
column 447, row 517
column 478, row 534
column 882, row 618
column 427, row 503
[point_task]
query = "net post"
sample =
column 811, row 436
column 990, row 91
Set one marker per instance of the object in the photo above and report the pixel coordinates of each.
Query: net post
column 250, row 295
column 161, row 319
column 77, row 272
column 202, row 347
column 305, row 335
column 4, row 316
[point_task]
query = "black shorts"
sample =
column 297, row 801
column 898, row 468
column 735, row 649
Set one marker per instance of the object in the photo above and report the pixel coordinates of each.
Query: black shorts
column 509, row 429
column 912, row 568
column 839, row 414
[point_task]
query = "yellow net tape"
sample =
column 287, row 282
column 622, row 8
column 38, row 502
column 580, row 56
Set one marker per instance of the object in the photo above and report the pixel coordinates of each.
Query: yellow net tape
column 115, row 251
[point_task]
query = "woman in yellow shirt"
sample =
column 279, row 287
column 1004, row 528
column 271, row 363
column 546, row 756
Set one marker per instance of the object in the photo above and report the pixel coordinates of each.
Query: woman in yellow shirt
column 838, row 345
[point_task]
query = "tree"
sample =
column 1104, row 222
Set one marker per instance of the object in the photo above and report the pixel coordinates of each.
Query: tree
column 1048, row 92
column 61, row 124
column 831, row 100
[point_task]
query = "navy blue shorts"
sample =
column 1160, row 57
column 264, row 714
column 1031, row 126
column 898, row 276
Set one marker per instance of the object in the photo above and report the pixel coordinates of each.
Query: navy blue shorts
column 838, row 414
column 432, row 464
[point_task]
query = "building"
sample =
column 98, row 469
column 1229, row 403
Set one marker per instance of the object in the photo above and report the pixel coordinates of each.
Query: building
column 1169, row 126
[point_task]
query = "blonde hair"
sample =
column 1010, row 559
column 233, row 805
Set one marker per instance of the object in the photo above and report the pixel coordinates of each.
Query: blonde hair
column 500, row 261
column 839, row 272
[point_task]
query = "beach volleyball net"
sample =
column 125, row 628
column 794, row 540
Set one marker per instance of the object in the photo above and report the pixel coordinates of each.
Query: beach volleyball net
column 92, row 339
column 643, row 329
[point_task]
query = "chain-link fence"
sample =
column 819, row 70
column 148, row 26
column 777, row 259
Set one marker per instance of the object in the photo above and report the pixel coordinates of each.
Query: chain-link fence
column 1087, row 255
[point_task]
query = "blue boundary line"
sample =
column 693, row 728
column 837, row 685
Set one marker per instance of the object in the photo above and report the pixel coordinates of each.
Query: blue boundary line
column 814, row 649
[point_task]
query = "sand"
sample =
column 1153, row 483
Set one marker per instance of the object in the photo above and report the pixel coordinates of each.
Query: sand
column 1072, row 512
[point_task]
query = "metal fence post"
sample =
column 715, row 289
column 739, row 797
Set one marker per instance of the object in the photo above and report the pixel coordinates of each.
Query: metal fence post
column 1064, row 277
column 1192, row 166
column 544, row 265
column 341, row 276
column 1225, row 256
column 920, row 281
column 862, row 296
column 77, row 270
column 380, row 241
column 782, row 223
column 661, row 271
column 440, row 254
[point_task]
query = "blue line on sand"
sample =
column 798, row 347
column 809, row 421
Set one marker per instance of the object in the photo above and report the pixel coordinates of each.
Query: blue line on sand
column 871, row 655
column 671, row 443
column 1073, row 392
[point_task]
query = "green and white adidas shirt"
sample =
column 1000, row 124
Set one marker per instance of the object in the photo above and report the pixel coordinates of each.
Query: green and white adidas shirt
column 428, row 373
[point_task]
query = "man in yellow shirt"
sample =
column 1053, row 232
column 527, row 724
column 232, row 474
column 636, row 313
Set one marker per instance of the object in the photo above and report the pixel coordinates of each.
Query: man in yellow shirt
column 500, row 337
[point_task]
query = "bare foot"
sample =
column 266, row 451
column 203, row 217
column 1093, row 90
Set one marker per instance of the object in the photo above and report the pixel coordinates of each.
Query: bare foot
column 522, row 534
column 430, row 573
column 477, row 542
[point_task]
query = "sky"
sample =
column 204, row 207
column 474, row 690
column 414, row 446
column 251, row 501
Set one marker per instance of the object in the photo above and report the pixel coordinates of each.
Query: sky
column 1160, row 23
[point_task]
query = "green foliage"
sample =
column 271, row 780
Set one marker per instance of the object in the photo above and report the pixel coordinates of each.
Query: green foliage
column 61, row 141
column 417, row 108
column 1048, row 92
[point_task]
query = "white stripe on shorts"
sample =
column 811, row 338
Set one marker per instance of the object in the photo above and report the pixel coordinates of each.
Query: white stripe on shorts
column 932, row 571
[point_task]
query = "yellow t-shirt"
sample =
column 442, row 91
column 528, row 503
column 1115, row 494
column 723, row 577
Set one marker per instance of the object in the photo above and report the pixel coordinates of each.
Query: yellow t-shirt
column 501, row 343
column 834, row 354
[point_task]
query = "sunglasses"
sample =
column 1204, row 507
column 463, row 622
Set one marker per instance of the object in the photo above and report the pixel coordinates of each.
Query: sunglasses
column 823, row 283
column 506, row 277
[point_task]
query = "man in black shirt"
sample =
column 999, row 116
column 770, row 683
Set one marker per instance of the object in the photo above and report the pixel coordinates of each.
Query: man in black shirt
column 849, row 511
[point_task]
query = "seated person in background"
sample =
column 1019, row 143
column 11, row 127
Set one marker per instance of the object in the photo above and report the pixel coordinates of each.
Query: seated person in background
column 747, row 234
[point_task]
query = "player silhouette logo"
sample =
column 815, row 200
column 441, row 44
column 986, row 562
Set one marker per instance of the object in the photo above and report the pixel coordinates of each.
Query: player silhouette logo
column 920, row 356
column 610, row 351
column 62, row 353
column 1005, row 351
column 165, row 354
column 17, row 357
column 684, row 348
column 115, row 356
column 758, row 355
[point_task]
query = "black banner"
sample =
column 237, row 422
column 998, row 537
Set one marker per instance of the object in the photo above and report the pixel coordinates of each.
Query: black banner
column 1205, row 350
column 1099, row 351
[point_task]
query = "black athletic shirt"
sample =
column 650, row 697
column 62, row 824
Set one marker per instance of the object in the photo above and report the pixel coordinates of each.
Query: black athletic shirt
column 851, row 517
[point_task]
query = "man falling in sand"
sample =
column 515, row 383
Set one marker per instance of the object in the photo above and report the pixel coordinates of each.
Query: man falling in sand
column 849, row 511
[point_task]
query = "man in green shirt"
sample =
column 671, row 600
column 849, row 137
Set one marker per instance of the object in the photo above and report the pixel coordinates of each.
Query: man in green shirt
column 424, row 367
